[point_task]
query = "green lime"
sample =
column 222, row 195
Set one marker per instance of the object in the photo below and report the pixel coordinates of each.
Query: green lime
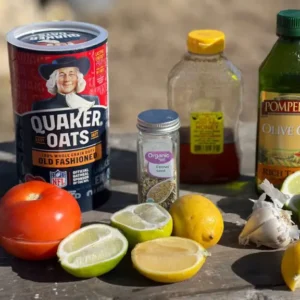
column 293, row 204
column 92, row 250
column 143, row 222
column 291, row 187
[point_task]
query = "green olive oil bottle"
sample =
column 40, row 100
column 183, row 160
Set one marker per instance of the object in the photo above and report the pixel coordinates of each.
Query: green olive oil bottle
column 278, row 124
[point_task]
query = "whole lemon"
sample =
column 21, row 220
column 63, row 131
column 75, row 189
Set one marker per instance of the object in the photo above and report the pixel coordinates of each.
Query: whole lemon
column 290, row 266
column 197, row 218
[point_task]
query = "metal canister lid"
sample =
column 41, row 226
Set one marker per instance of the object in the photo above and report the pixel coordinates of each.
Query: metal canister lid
column 158, row 121
column 61, row 35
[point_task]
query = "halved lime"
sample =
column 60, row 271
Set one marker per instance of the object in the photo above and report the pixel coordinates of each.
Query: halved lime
column 92, row 250
column 143, row 222
column 291, row 187
column 293, row 204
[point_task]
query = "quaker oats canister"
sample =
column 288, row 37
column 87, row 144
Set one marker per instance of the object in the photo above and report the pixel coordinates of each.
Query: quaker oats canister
column 59, row 81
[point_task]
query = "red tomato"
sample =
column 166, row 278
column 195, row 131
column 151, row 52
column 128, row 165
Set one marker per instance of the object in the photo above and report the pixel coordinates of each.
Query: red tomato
column 34, row 217
column 29, row 250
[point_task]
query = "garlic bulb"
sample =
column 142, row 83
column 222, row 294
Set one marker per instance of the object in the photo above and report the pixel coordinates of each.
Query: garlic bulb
column 268, row 224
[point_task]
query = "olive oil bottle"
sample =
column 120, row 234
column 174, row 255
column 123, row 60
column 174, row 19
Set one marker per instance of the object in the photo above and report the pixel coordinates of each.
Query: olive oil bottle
column 278, row 128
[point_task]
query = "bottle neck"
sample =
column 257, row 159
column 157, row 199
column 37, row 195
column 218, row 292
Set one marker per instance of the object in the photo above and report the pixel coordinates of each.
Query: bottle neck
column 288, row 39
column 207, row 57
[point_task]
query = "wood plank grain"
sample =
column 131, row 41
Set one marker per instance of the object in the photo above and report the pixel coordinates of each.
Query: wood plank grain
column 245, row 294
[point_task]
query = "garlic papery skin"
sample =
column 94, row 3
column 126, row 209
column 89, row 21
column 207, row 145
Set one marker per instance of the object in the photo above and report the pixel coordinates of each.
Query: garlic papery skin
column 269, row 226
column 258, row 217
column 272, row 234
column 278, row 198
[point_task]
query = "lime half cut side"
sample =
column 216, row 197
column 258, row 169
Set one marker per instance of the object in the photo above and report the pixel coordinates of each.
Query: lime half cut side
column 291, row 187
column 92, row 250
column 143, row 222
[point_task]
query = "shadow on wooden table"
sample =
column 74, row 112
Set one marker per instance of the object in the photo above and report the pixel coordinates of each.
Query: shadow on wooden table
column 123, row 165
column 261, row 269
column 8, row 177
column 243, row 186
column 230, row 236
column 5, row 259
column 41, row 271
column 241, row 206
column 51, row 271
column 124, row 274
column 117, row 201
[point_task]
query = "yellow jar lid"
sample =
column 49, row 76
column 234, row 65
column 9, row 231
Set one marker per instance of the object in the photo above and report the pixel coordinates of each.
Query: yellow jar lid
column 206, row 41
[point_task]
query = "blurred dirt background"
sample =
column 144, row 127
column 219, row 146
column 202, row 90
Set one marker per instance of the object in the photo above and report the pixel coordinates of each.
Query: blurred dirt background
column 146, row 38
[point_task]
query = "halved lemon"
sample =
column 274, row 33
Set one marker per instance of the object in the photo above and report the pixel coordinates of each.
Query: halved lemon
column 290, row 266
column 143, row 222
column 92, row 250
column 170, row 259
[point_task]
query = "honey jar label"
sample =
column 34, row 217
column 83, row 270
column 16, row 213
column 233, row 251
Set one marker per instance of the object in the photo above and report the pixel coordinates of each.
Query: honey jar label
column 206, row 132
column 278, row 149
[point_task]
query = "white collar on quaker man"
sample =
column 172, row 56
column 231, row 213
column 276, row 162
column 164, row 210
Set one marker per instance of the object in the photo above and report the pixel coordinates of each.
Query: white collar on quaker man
column 74, row 101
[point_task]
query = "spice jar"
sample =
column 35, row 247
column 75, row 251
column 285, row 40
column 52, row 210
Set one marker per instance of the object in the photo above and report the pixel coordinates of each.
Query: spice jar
column 158, row 156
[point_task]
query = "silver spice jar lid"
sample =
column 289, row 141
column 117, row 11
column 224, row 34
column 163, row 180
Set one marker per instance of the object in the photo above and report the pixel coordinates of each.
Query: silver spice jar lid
column 158, row 121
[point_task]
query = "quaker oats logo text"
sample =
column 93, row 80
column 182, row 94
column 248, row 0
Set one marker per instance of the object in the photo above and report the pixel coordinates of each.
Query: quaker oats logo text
column 50, row 125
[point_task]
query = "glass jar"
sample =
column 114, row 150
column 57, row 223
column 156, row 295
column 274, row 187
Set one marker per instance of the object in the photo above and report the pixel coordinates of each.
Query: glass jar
column 158, row 156
column 205, row 88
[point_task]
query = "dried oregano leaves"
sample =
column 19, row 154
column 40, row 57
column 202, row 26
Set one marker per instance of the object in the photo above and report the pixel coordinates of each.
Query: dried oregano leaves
column 159, row 190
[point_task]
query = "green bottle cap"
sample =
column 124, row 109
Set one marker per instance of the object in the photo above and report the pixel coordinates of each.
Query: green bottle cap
column 288, row 23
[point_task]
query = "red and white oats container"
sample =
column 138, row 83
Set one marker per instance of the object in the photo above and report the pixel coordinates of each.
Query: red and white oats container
column 59, row 81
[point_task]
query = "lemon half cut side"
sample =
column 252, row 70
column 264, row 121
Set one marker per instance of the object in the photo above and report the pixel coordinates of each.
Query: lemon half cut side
column 290, row 266
column 170, row 259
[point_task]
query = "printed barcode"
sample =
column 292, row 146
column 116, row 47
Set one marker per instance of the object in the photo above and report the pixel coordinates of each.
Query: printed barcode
column 207, row 148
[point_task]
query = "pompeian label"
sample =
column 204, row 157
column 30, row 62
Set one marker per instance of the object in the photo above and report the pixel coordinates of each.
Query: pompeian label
column 280, row 106
column 61, row 118
column 57, row 38
column 278, row 137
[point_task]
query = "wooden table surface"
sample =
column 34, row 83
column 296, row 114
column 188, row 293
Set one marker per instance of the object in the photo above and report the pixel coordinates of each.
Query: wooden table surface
column 232, row 272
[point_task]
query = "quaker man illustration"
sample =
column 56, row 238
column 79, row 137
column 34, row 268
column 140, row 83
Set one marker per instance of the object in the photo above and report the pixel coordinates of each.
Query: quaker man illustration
column 65, row 80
